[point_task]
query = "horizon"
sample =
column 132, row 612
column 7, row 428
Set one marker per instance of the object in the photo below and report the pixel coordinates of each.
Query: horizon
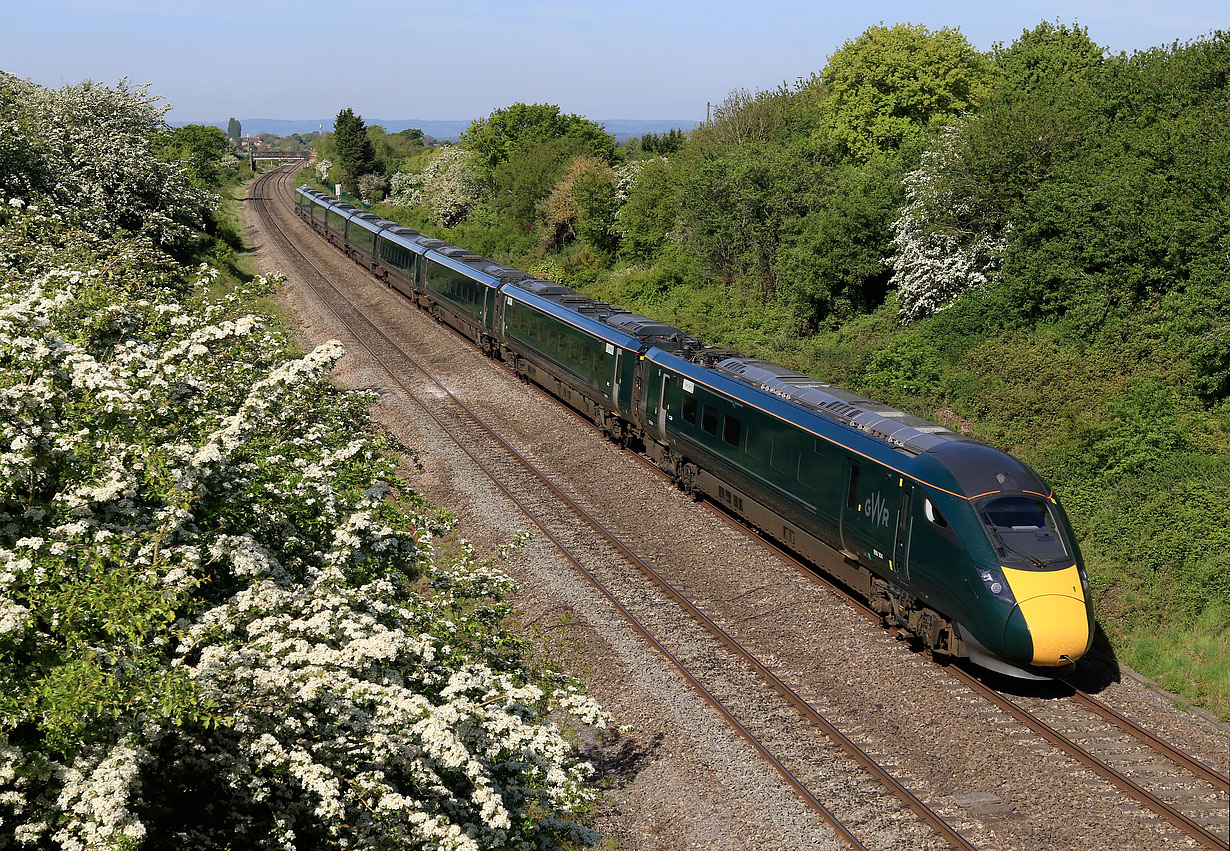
column 215, row 59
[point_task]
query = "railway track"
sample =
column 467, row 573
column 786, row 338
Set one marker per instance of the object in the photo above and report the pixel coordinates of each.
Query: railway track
column 864, row 804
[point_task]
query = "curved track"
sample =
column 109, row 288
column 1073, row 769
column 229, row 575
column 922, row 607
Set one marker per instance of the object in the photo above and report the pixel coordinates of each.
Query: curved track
column 743, row 690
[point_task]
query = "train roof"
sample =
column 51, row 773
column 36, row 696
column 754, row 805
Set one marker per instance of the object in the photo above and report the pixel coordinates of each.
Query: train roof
column 371, row 222
column 411, row 239
column 911, row 434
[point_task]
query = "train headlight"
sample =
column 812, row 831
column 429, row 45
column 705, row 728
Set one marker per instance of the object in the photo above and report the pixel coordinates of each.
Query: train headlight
column 997, row 585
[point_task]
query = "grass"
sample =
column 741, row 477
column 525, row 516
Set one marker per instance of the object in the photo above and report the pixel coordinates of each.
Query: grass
column 1192, row 662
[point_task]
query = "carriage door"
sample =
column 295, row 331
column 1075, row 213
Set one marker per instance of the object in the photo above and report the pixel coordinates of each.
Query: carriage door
column 869, row 515
column 905, row 528
column 655, row 390
column 615, row 380
column 663, row 408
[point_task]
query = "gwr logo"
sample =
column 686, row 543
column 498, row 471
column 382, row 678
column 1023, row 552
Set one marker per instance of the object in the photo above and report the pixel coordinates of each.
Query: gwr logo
column 876, row 507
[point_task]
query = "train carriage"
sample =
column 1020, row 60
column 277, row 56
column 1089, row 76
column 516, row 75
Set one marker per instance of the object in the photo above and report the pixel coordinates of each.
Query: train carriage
column 362, row 232
column 556, row 338
column 312, row 205
column 459, row 292
column 399, row 252
column 337, row 214
column 914, row 509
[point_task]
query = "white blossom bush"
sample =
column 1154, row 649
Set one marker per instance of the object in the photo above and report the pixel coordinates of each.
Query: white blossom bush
column 406, row 189
column 224, row 622
column 323, row 167
column 938, row 252
column 626, row 176
column 90, row 147
column 449, row 186
column 372, row 188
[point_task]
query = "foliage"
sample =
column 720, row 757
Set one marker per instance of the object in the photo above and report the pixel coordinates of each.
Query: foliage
column 1048, row 56
column 448, row 185
column 831, row 261
column 372, row 188
column 892, row 85
column 520, row 184
column 745, row 117
column 90, row 148
column 935, row 259
column 323, row 167
column 391, row 151
column 355, row 154
column 667, row 143
column 451, row 187
column 223, row 622
column 494, row 139
column 583, row 204
column 646, row 218
column 234, row 130
column 201, row 151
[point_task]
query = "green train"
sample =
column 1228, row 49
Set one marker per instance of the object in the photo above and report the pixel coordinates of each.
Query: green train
column 958, row 543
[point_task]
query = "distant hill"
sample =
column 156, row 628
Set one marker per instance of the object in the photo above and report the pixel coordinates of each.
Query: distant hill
column 447, row 131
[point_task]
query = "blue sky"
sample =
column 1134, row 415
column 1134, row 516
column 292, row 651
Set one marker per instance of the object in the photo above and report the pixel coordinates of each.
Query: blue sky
column 212, row 59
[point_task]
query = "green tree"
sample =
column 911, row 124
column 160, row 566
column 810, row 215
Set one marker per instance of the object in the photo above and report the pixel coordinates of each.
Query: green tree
column 529, row 175
column 493, row 139
column 199, row 148
column 651, row 210
column 1048, row 55
column 355, row 154
column 891, row 85
column 583, row 204
column 234, row 130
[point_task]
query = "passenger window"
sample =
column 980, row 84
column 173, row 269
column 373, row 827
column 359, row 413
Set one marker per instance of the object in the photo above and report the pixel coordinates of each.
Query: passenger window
column 708, row 419
column 731, row 430
column 574, row 350
column 689, row 408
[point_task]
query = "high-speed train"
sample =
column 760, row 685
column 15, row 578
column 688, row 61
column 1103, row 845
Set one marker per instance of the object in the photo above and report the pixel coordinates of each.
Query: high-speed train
column 958, row 543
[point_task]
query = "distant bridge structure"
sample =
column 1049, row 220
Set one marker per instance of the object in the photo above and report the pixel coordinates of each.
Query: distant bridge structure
column 253, row 156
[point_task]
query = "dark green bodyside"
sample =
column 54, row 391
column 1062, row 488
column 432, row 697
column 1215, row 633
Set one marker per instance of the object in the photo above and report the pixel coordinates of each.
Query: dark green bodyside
column 336, row 222
column 361, row 238
column 585, row 357
column 463, row 292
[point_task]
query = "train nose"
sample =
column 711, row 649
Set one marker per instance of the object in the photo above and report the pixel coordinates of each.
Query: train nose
column 1049, row 630
column 1049, row 626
